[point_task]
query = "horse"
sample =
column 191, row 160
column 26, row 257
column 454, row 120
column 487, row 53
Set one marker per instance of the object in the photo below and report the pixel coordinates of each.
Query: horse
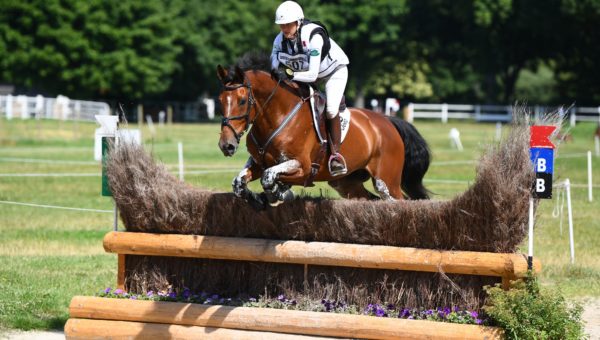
column 285, row 148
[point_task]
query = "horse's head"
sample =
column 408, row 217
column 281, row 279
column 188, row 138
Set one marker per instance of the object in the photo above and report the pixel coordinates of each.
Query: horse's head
column 237, row 102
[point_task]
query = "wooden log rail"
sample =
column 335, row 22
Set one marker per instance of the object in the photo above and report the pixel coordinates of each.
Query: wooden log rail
column 91, row 318
column 505, row 265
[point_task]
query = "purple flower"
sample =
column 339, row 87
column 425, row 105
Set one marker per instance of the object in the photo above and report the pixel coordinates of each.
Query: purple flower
column 474, row 314
column 215, row 297
column 107, row 290
column 281, row 298
column 404, row 313
column 133, row 297
column 186, row 294
column 172, row 295
column 118, row 291
column 478, row 321
column 380, row 312
column 252, row 299
column 150, row 293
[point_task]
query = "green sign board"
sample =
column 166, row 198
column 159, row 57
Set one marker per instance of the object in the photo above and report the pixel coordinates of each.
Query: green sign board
column 105, row 145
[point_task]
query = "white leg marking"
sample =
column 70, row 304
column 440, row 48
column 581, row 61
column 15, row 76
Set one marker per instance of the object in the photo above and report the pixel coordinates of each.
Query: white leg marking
column 271, row 174
column 383, row 190
column 239, row 182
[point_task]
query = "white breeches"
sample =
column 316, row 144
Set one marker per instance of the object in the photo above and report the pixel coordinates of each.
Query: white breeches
column 334, row 90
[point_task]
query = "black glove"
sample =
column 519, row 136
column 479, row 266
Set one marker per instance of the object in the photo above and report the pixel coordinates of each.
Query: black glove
column 283, row 74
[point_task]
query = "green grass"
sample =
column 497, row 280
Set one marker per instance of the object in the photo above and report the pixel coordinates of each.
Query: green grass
column 49, row 255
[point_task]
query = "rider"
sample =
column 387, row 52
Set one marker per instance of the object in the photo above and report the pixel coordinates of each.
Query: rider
column 309, row 55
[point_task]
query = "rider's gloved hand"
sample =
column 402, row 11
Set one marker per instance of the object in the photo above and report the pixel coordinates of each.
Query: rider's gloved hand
column 283, row 74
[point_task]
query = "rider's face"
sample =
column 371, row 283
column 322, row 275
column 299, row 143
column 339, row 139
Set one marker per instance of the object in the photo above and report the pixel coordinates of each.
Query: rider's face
column 289, row 30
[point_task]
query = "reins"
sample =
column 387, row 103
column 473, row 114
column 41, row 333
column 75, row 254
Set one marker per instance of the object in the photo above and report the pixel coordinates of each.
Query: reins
column 277, row 131
column 225, row 121
column 288, row 117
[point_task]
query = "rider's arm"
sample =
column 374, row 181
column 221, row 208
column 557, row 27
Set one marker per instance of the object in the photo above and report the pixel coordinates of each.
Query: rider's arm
column 314, row 64
column 275, row 51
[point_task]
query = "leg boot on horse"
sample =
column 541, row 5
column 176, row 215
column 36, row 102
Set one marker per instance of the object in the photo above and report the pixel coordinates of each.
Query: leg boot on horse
column 337, row 163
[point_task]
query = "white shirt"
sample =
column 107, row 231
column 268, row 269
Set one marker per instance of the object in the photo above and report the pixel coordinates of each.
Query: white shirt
column 307, row 64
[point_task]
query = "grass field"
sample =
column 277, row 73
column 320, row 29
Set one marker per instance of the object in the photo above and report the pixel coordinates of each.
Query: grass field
column 49, row 254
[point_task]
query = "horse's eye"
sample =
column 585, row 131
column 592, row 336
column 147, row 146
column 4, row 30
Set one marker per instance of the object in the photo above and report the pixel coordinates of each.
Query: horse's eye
column 242, row 101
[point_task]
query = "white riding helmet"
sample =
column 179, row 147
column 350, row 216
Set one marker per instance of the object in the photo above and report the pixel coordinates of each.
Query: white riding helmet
column 288, row 11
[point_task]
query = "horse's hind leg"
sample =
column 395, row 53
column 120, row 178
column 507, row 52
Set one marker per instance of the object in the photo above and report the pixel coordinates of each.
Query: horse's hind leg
column 386, row 180
column 384, row 190
column 352, row 186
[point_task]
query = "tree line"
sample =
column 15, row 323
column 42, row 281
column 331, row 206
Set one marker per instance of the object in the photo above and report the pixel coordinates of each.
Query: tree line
column 476, row 51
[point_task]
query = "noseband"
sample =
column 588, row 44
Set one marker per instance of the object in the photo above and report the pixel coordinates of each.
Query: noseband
column 225, row 121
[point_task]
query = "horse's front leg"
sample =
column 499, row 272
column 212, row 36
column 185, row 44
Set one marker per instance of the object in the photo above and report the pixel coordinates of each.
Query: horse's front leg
column 276, row 191
column 250, row 172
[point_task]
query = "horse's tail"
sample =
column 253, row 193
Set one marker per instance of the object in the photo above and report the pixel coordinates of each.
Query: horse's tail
column 416, row 159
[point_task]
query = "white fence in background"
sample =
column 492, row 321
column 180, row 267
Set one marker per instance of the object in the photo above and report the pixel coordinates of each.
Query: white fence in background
column 493, row 113
column 61, row 107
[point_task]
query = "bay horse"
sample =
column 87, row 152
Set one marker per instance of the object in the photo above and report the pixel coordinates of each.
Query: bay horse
column 285, row 148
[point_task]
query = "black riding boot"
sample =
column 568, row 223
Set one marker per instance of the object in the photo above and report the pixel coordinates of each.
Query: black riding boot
column 337, row 163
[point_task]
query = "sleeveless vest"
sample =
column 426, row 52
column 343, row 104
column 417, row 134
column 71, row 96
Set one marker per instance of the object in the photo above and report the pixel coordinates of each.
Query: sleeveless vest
column 295, row 54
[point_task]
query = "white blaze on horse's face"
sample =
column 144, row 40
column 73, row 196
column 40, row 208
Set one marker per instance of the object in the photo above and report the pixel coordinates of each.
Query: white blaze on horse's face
column 235, row 121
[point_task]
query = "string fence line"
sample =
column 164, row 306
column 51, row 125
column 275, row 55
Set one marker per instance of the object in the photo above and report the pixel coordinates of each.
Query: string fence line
column 55, row 207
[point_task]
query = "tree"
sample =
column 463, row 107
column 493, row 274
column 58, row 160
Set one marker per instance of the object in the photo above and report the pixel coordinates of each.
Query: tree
column 578, row 54
column 371, row 33
column 102, row 49
column 212, row 33
column 477, row 49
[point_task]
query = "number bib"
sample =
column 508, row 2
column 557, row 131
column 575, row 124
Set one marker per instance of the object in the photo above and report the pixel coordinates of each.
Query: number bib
column 297, row 62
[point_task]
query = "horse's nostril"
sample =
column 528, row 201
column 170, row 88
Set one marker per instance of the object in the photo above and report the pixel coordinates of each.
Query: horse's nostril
column 230, row 147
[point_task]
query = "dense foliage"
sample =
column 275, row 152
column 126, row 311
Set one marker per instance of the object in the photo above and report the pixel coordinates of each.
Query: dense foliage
column 465, row 50
column 528, row 311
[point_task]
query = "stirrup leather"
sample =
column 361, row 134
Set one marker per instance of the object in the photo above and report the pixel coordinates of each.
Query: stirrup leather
column 339, row 169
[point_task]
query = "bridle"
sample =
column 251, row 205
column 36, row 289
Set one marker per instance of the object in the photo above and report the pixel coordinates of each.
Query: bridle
column 251, row 102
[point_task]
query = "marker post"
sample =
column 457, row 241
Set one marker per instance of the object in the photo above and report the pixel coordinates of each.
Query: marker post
column 542, row 156
column 108, row 134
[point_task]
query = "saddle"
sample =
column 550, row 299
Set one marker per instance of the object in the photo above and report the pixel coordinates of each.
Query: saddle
column 318, row 102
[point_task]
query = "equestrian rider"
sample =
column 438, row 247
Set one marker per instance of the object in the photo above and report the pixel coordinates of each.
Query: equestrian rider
column 309, row 55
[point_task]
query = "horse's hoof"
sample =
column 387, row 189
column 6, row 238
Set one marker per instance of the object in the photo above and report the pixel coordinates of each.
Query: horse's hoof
column 286, row 196
column 257, row 201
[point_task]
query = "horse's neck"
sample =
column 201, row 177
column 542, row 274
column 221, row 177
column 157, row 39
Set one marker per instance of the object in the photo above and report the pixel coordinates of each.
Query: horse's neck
column 281, row 104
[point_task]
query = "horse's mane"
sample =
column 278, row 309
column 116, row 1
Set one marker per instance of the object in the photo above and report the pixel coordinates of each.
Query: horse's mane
column 258, row 61
column 254, row 60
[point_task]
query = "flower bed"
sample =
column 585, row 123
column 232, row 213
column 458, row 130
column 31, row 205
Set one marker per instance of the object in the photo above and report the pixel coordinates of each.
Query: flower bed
column 132, row 316
column 441, row 314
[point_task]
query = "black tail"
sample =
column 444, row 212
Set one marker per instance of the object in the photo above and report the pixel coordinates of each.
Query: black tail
column 416, row 159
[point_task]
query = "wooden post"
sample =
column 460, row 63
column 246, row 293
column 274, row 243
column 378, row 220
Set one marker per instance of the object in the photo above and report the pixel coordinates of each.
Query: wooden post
column 318, row 253
column 269, row 320
column 169, row 115
column 121, row 271
column 140, row 116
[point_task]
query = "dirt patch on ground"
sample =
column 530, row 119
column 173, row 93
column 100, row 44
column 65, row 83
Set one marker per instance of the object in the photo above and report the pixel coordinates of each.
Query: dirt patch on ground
column 591, row 316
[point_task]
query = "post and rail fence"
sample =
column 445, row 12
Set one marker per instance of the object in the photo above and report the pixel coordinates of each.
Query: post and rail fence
column 493, row 113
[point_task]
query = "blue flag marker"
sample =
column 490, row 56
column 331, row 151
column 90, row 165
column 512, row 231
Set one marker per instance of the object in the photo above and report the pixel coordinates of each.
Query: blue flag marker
column 543, row 160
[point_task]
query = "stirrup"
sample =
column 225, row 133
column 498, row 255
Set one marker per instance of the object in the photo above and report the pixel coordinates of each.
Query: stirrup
column 339, row 171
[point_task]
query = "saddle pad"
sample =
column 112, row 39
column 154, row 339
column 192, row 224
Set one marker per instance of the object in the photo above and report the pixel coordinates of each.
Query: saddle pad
column 344, row 118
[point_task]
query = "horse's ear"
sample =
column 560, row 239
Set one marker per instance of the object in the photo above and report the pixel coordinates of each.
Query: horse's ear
column 239, row 74
column 221, row 72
